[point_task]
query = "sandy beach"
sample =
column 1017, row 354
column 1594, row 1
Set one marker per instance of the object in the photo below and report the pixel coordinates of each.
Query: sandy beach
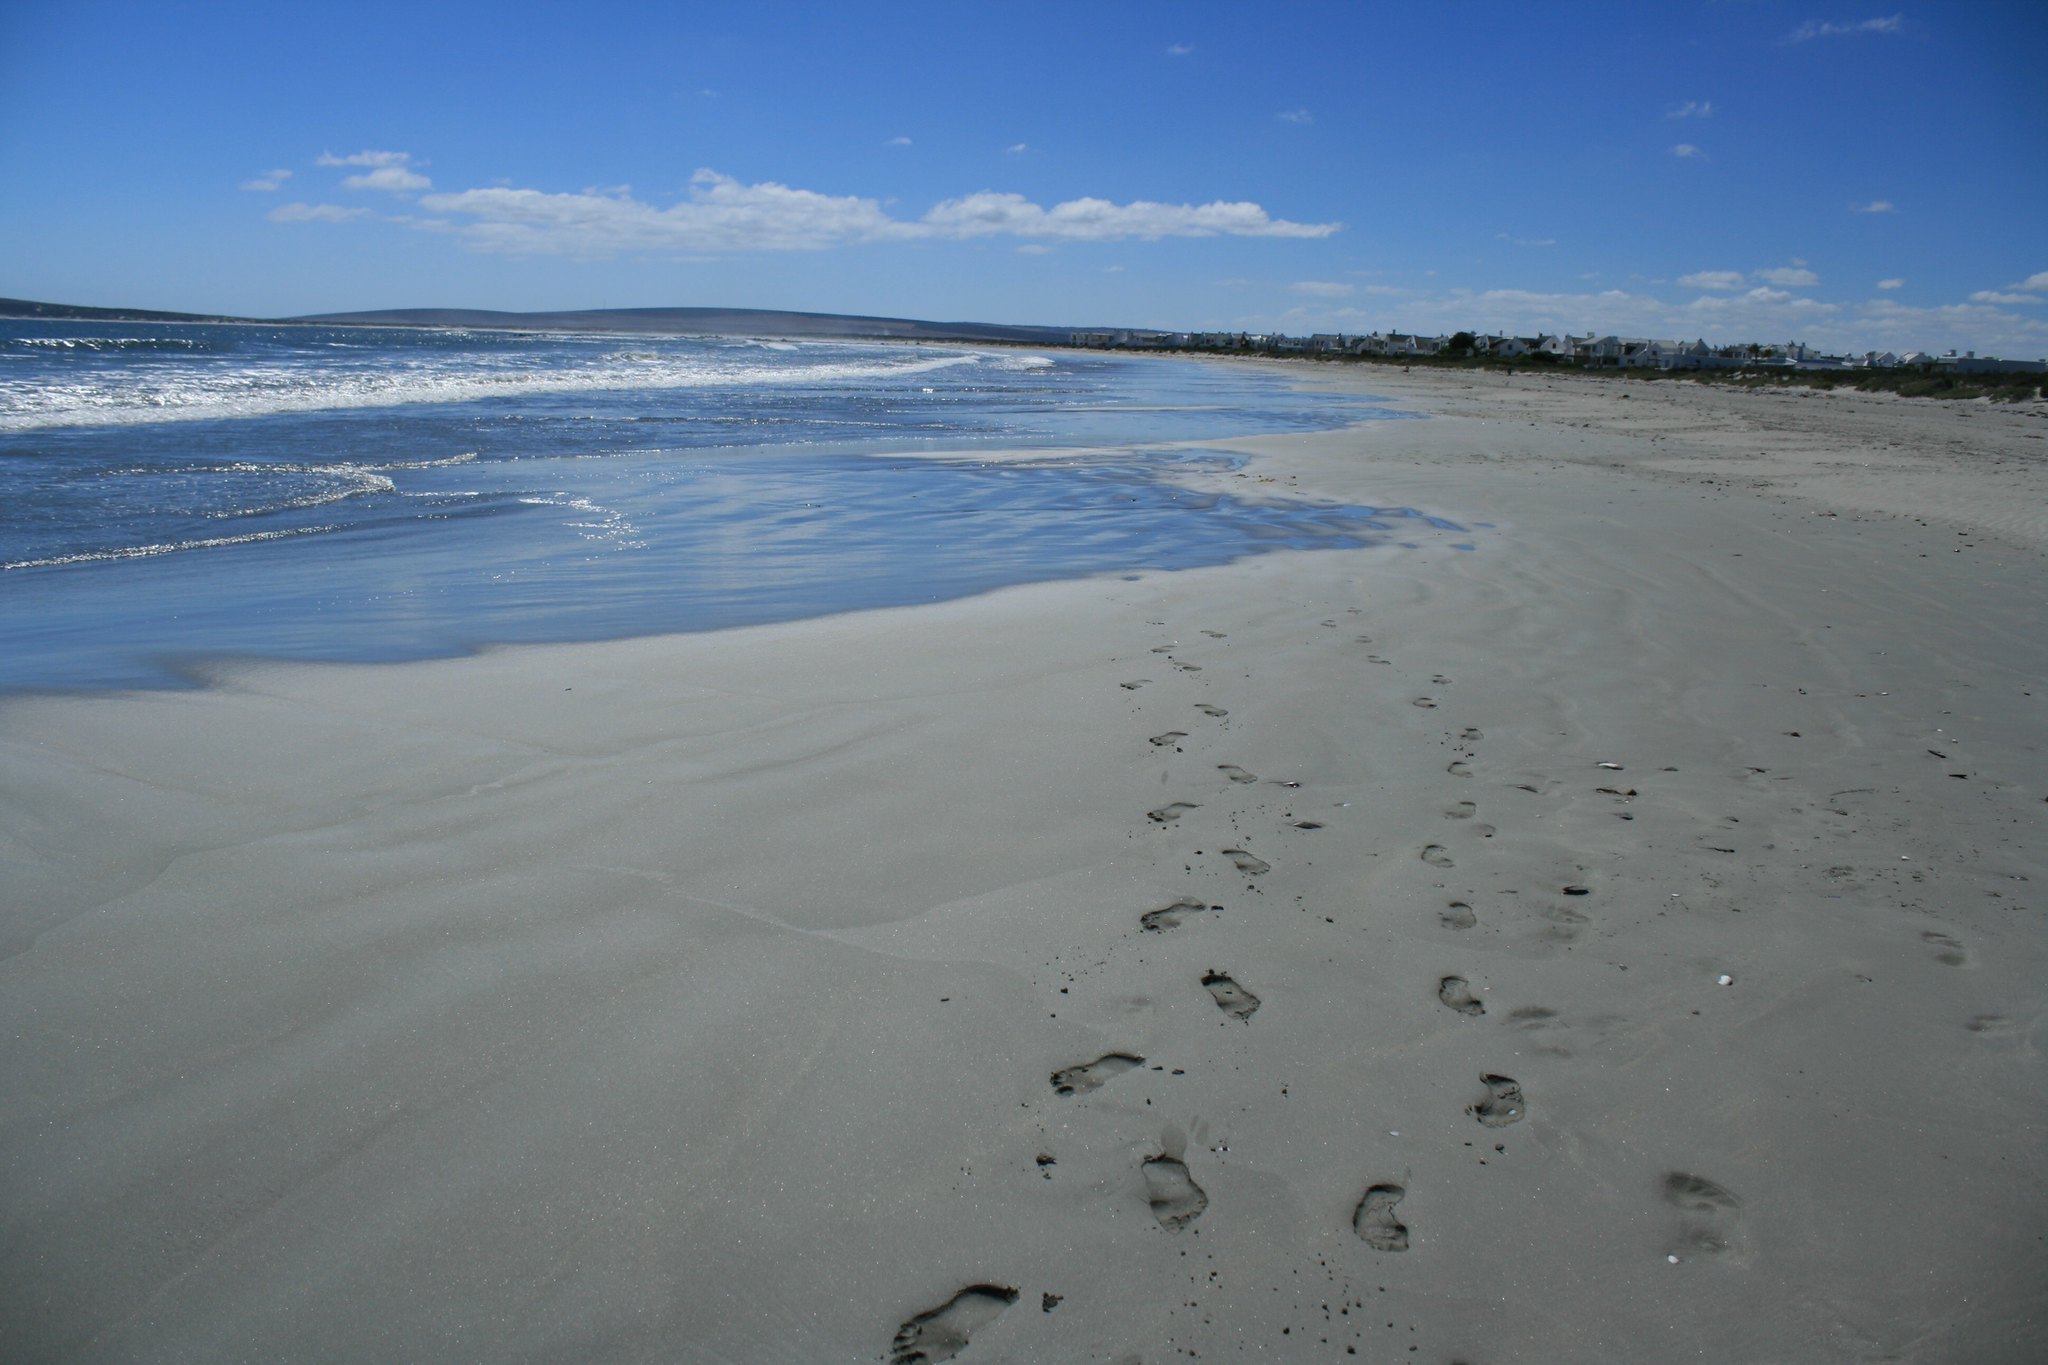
column 1622, row 942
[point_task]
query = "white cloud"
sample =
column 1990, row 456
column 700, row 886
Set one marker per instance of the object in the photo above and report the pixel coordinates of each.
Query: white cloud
column 1323, row 289
column 2000, row 296
column 1714, row 279
column 1180, row 49
column 1686, row 150
column 1527, row 241
column 1814, row 28
column 391, row 179
column 1112, row 270
column 987, row 213
column 1017, row 148
column 269, row 180
column 1034, row 249
column 721, row 214
column 1891, row 284
column 897, row 142
column 388, row 171
column 313, row 213
column 1756, row 314
column 1693, row 109
column 1874, row 206
column 2034, row 281
column 1790, row 276
column 364, row 159
column 1295, row 116
column 1979, row 327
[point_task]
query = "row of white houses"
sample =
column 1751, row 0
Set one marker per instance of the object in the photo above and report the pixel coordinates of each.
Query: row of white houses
column 1591, row 351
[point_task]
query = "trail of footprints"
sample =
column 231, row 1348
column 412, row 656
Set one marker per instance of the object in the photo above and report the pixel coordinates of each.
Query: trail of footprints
column 1175, row 1197
column 1708, row 1214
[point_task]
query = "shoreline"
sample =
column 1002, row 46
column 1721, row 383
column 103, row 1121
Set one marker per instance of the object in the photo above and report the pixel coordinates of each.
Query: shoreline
column 473, row 542
column 626, row 1000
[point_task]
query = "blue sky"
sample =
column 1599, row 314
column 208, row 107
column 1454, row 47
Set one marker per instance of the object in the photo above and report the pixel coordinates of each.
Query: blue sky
column 1838, row 172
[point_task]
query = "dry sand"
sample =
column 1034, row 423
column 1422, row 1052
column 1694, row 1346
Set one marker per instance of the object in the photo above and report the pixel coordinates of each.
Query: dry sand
column 710, row 999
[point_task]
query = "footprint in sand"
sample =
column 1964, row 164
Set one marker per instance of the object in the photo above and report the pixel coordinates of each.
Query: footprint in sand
column 1235, row 773
column 1233, row 999
column 1246, row 863
column 1185, row 667
column 1169, row 738
column 1162, row 649
column 1460, row 768
column 1375, row 1222
column 1564, row 922
column 1457, row 810
column 1456, row 993
column 1175, row 1197
column 1952, row 952
column 1711, row 1212
column 1079, row 1080
column 1172, row 811
column 1435, row 856
column 1209, row 710
column 1457, row 915
column 1426, row 703
column 1215, row 635
column 1503, row 1104
column 1471, row 734
column 1440, row 680
column 1174, row 915
column 943, row 1333
column 1134, row 684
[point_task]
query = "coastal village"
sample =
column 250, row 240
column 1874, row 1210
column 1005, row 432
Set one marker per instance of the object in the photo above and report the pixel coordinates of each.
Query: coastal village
column 1591, row 351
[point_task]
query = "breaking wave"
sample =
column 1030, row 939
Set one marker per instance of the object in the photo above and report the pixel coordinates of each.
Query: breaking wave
column 214, row 388
column 166, row 548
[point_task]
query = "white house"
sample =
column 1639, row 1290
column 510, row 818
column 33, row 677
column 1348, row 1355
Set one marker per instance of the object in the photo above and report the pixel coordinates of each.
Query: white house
column 1603, row 353
column 1407, row 343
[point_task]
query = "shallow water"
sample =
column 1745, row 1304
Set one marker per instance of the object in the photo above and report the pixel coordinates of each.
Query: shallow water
column 178, row 493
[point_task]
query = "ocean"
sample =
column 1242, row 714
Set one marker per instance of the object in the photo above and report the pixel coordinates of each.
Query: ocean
column 176, row 494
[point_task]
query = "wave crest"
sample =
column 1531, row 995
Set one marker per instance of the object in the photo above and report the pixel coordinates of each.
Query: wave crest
column 205, row 390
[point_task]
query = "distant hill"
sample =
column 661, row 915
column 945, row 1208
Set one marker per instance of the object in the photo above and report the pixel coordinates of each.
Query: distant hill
column 72, row 312
column 754, row 322
column 698, row 321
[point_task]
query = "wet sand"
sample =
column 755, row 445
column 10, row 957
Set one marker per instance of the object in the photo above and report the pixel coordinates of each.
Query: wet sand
column 1621, row 941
